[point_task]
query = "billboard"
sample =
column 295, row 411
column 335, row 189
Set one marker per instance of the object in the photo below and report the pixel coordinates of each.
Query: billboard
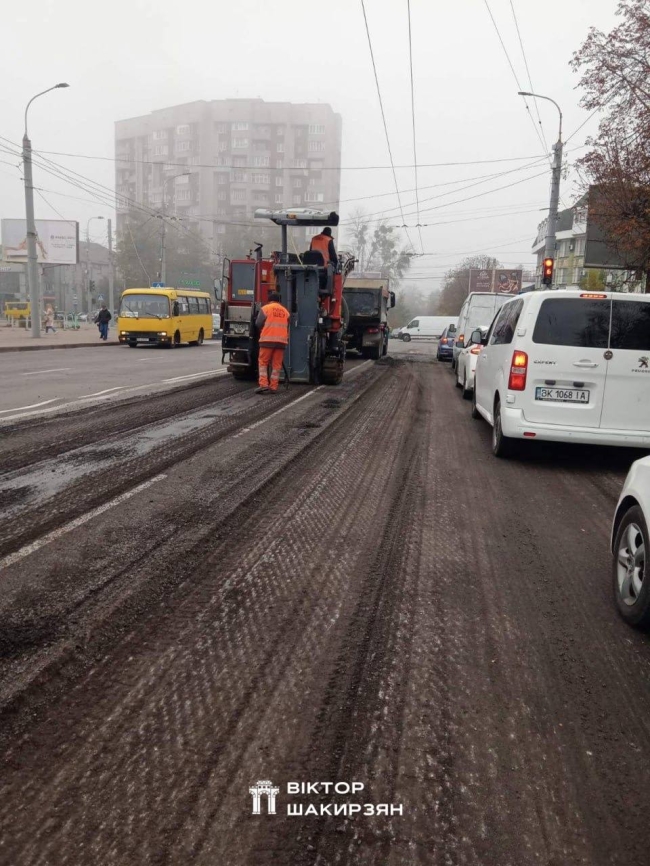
column 598, row 252
column 501, row 280
column 57, row 241
column 480, row 280
column 507, row 281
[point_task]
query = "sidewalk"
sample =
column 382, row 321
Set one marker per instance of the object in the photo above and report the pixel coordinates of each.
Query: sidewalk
column 20, row 340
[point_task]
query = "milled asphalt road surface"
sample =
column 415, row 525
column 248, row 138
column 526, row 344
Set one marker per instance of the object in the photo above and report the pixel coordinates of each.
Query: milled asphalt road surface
column 330, row 585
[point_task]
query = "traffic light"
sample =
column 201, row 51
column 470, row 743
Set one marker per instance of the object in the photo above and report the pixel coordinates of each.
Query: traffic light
column 547, row 272
column 91, row 286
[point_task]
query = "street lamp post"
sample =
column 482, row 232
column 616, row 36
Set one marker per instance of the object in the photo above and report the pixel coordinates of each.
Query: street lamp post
column 556, row 172
column 88, row 292
column 32, row 257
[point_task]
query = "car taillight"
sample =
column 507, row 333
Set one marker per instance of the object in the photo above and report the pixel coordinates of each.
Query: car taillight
column 518, row 371
column 476, row 350
column 443, row 340
column 373, row 330
column 460, row 338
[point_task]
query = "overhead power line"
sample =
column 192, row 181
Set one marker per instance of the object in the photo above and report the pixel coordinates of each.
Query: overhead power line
column 530, row 80
column 516, row 77
column 415, row 156
column 383, row 115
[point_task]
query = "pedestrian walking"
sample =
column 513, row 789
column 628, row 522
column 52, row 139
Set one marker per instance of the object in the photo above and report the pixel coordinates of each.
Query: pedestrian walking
column 49, row 321
column 102, row 319
column 273, row 324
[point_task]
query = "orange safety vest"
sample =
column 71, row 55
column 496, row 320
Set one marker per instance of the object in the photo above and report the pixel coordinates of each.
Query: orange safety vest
column 321, row 243
column 276, row 326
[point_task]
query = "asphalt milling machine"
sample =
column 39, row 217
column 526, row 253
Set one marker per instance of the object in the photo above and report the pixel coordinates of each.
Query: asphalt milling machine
column 311, row 291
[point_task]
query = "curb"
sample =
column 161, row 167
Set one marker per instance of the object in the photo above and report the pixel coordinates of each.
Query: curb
column 56, row 346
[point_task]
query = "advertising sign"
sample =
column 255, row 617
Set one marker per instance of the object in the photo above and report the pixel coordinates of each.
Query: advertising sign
column 480, row 280
column 57, row 241
column 507, row 281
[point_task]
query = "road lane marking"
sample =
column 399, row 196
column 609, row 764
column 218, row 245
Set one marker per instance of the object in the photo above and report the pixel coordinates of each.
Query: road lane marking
column 219, row 370
column 39, row 372
column 74, row 524
column 32, row 406
column 99, row 393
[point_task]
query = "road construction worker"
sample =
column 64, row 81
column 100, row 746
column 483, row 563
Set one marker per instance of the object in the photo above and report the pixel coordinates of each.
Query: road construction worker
column 324, row 244
column 273, row 323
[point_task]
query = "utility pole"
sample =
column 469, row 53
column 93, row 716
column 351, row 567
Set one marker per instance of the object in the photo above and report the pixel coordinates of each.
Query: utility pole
column 32, row 257
column 111, row 271
column 556, row 174
column 162, row 275
column 163, row 253
column 88, row 281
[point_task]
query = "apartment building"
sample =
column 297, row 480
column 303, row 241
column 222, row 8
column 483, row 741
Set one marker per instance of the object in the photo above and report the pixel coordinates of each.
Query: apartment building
column 213, row 163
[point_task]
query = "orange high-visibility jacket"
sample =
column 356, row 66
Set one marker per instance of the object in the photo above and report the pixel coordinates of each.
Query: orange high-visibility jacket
column 321, row 243
column 275, row 330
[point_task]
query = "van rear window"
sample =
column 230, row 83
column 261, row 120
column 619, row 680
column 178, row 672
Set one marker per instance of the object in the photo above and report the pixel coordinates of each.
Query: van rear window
column 573, row 322
column 631, row 325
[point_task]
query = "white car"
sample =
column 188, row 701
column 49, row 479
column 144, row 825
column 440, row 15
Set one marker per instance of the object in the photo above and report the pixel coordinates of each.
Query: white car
column 466, row 362
column 567, row 366
column 630, row 541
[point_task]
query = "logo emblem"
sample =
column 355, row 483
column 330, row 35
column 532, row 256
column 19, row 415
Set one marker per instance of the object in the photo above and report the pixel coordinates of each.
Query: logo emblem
column 264, row 789
column 643, row 361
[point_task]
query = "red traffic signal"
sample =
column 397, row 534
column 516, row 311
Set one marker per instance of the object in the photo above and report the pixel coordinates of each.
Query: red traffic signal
column 547, row 272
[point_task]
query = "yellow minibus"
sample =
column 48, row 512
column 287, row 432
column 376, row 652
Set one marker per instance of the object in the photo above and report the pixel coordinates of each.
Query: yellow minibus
column 17, row 309
column 164, row 317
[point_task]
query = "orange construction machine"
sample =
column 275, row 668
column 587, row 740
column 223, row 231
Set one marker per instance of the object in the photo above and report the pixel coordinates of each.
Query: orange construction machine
column 310, row 289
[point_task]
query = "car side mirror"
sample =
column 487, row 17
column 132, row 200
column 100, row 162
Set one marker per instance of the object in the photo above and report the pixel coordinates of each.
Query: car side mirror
column 392, row 300
column 477, row 337
column 218, row 290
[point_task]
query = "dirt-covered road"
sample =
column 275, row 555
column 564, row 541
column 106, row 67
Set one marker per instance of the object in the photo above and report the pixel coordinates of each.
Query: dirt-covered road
column 206, row 590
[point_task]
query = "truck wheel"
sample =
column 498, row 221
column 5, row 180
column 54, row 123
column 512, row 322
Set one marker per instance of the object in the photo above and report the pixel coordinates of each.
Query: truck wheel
column 385, row 349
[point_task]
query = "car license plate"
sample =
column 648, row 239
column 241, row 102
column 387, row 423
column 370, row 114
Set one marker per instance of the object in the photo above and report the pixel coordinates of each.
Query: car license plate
column 562, row 395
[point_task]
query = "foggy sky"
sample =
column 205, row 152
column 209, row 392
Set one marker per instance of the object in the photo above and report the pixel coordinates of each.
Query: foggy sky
column 124, row 59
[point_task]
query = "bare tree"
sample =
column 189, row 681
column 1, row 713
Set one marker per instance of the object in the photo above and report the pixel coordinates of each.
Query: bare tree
column 615, row 70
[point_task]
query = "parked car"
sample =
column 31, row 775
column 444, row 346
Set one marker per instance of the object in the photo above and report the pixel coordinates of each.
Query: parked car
column 83, row 317
column 446, row 344
column 426, row 327
column 467, row 358
column 479, row 309
column 567, row 366
column 629, row 543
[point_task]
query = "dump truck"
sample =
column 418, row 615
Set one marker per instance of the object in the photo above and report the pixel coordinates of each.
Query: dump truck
column 368, row 300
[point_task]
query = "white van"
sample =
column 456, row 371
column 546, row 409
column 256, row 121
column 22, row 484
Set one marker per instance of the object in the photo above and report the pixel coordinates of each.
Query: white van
column 477, row 312
column 426, row 327
column 567, row 366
